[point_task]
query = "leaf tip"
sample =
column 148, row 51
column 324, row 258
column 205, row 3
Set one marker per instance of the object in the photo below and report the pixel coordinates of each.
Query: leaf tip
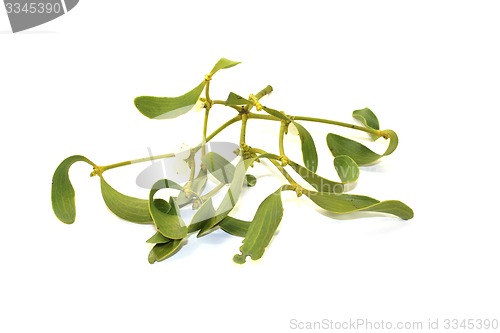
column 240, row 258
column 151, row 257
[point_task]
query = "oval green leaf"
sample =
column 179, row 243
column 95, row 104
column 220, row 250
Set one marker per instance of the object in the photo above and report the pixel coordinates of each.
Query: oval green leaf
column 262, row 228
column 62, row 192
column 362, row 155
column 346, row 168
column 126, row 207
column 348, row 203
column 168, row 107
column 309, row 154
column 168, row 224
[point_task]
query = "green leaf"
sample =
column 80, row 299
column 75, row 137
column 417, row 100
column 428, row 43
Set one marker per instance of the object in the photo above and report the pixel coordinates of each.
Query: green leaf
column 163, row 251
column 158, row 238
column 169, row 224
column 230, row 198
column 309, row 153
column 250, row 180
column 223, row 63
column 219, row 167
column 234, row 226
column 126, row 207
column 162, row 205
column 62, row 193
column 262, row 228
column 202, row 216
column 367, row 118
column 393, row 141
column 362, row 155
column 234, row 99
column 347, row 169
column 319, row 183
column 168, row 107
column 348, row 203
column 275, row 113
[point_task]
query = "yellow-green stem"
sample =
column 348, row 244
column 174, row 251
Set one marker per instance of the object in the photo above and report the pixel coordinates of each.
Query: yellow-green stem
column 158, row 157
column 339, row 123
column 318, row 120
column 244, row 118
column 281, row 138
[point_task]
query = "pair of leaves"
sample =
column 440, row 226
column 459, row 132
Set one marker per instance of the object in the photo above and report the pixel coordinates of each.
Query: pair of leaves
column 171, row 107
column 362, row 155
column 63, row 197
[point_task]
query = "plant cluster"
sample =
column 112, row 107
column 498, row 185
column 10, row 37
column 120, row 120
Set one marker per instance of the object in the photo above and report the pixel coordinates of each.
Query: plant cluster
column 227, row 178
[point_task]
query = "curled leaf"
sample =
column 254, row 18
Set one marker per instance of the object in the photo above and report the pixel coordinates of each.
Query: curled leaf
column 168, row 107
column 124, row 206
column 234, row 226
column 348, row 203
column 158, row 238
column 367, row 118
column 347, row 169
column 362, row 155
column 319, row 183
column 309, row 153
column 169, row 224
column 62, row 193
column 162, row 251
column 162, row 205
column 262, row 228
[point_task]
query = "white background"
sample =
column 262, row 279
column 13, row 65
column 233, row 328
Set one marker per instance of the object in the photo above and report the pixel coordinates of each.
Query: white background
column 429, row 69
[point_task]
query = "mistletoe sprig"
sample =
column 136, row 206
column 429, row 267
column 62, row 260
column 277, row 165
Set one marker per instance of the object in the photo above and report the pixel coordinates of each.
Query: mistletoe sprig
column 228, row 179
